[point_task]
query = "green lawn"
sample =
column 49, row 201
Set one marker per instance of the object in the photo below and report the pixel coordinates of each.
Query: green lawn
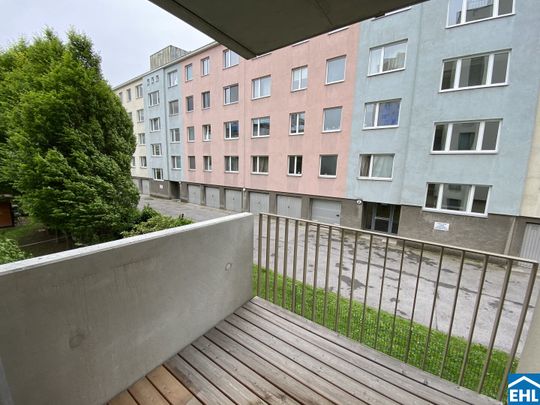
column 376, row 331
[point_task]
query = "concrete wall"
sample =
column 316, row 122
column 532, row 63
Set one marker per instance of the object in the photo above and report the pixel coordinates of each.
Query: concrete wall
column 529, row 361
column 160, row 188
column 530, row 206
column 78, row 327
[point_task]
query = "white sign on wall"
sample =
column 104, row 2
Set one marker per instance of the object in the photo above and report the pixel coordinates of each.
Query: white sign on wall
column 441, row 226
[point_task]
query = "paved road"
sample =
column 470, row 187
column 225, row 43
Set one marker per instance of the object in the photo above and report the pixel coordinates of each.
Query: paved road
column 426, row 274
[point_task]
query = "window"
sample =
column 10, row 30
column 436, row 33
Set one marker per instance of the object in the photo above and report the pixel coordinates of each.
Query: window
column 260, row 127
column 142, row 161
column 335, row 70
column 176, row 162
column 121, row 97
column 376, row 166
column 175, row 135
column 156, row 149
column 173, row 107
column 155, row 124
column 191, row 163
column 231, row 164
column 469, row 199
column 142, row 138
column 205, row 66
column 188, row 72
column 299, row 78
column 472, row 136
column 172, row 78
column 381, row 114
column 128, row 95
column 133, row 161
column 130, row 114
column 464, row 11
column 140, row 115
column 189, row 103
column 153, row 98
column 157, row 174
column 230, row 58
column 207, row 132
column 332, row 119
column 191, row 134
column 139, row 91
column 230, row 94
column 387, row 58
column 231, row 130
column 205, row 99
column 207, row 163
column 260, row 87
column 297, row 123
column 475, row 71
column 328, row 165
column 295, row 165
column 259, row 165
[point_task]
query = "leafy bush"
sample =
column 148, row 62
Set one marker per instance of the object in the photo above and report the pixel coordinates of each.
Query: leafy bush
column 150, row 221
column 10, row 251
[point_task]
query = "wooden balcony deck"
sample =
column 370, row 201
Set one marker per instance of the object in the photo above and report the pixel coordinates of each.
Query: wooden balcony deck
column 265, row 354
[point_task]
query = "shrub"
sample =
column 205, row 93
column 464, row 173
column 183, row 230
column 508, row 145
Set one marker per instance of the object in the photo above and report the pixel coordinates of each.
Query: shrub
column 10, row 251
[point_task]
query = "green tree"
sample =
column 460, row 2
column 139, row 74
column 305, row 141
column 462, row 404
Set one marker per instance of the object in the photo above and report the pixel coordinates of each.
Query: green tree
column 10, row 251
column 65, row 139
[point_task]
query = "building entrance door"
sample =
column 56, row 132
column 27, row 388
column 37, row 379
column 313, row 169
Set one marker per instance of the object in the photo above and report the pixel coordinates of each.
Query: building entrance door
column 382, row 217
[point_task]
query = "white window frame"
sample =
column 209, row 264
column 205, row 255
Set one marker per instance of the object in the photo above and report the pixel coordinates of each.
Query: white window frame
column 340, row 119
column 140, row 115
column 480, row 140
column 207, row 163
column 171, row 104
column 141, row 135
column 377, row 105
column 191, row 158
column 227, row 127
column 256, row 87
column 327, row 176
column 257, row 161
column 489, row 77
column 139, row 91
column 133, row 162
column 155, row 172
column 228, row 88
column 190, row 131
column 257, row 121
column 370, row 170
column 141, row 160
column 207, row 132
column 205, row 62
column 151, row 101
column 128, row 95
column 156, row 149
column 381, row 61
column 228, row 164
column 295, row 165
column 176, row 162
column 470, row 200
column 301, row 69
column 192, row 103
column 202, row 100
column 228, row 60
column 344, row 69
column 153, row 127
column 464, row 14
column 172, row 78
column 297, row 122
column 173, row 132
column 188, row 72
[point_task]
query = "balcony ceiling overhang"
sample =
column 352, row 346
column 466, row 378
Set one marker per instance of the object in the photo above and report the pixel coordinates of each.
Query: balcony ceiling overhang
column 255, row 27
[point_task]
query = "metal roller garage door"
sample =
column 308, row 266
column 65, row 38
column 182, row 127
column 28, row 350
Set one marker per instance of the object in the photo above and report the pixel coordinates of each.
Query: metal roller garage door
column 233, row 200
column 259, row 202
column 145, row 187
column 212, row 197
column 289, row 206
column 326, row 211
column 530, row 248
column 194, row 194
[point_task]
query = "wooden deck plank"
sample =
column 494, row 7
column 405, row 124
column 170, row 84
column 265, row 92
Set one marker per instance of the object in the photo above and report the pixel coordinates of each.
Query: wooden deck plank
column 384, row 391
column 145, row 393
column 124, row 398
column 286, row 365
column 203, row 389
column 261, row 387
column 444, row 388
column 171, row 388
column 226, row 383
column 293, row 387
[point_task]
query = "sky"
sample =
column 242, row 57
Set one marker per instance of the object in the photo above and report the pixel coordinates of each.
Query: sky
column 124, row 32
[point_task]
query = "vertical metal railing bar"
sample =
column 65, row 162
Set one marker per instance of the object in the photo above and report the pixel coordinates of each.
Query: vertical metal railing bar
column 304, row 270
column 340, row 273
column 381, row 292
column 285, row 258
column 473, row 320
column 276, row 259
column 315, row 270
column 259, row 253
column 452, row 316
column 295, row 259
column 435, row 292
column 495, row 325
column 392, row 333
column 519, row 330
column 408, row 346
column 327, row 274
column 363, row 324
column 353, row 279
column 267, row 261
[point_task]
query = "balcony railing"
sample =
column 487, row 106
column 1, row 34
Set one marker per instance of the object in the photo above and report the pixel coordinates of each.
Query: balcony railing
column 459, row 313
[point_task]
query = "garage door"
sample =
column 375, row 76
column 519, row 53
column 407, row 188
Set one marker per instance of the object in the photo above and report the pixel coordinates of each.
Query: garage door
column 326, row 211
column 259, row 202
column 146, row 187
column 194, row 194
column 212, row 197
column 233, row 200
column 289, row 206
column 530, row 247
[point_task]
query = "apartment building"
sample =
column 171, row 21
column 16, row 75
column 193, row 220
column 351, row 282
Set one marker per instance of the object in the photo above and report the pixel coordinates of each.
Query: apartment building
column 423, row 122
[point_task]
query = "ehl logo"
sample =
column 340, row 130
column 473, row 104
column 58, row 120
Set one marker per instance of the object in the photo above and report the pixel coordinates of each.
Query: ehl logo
column 524, row 389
